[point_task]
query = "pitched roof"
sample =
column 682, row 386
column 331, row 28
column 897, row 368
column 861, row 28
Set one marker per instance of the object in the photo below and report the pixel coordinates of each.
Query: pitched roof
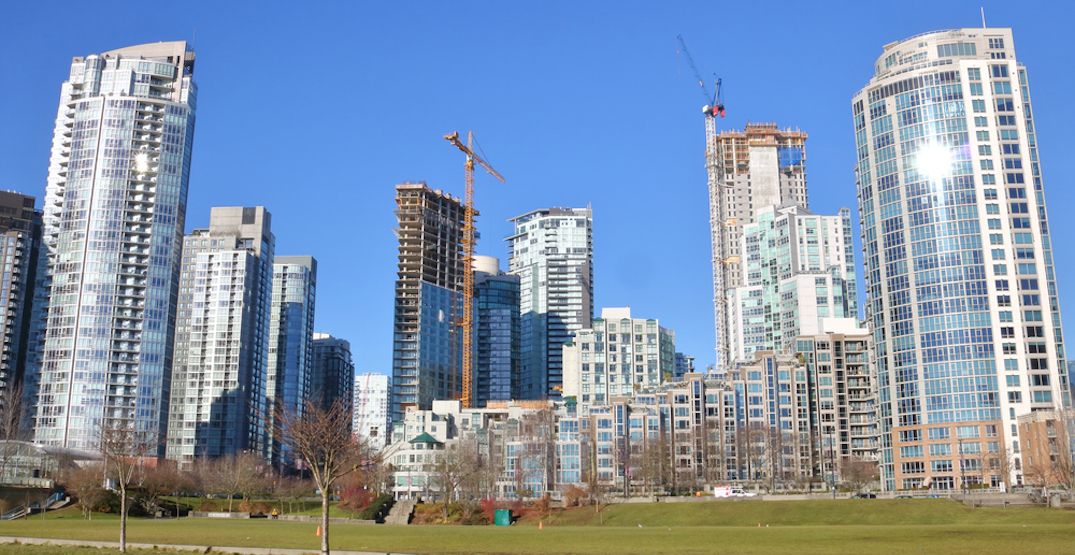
column 424, row 437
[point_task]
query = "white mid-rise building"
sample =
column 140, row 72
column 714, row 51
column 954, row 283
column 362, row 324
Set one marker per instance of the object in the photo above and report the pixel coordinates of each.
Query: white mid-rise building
column 372, row 420
column 618, row 355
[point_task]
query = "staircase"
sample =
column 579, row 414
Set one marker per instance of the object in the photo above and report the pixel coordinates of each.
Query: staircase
column 401, row 512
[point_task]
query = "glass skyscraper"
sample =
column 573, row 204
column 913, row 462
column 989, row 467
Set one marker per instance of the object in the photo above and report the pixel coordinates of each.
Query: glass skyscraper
column 960, row 283
column 114, row 210
column 552, row 253
column 20, row 239
column 496, row 333
column 427, row 348
column 222, row 337
column 291, row 329
column 332, row 375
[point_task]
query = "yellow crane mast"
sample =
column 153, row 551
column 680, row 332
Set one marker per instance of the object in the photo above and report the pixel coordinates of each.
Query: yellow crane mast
column 468, row 256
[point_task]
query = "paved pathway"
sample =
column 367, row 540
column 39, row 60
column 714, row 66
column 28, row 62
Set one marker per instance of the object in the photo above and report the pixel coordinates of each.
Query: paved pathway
column 199, row 548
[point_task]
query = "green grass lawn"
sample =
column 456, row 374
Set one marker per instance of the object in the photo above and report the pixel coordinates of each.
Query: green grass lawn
column 808, row 527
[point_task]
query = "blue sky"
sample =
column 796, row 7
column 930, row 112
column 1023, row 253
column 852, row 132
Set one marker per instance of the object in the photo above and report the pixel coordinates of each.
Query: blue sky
column 316, row 110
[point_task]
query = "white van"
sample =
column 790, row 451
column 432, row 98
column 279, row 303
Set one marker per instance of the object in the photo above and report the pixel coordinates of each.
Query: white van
column 731, row 491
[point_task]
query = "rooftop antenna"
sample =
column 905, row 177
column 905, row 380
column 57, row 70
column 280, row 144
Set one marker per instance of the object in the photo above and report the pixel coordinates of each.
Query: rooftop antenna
column 982, row 9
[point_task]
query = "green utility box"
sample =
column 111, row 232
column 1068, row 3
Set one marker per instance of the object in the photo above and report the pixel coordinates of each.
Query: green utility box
column 502, row 517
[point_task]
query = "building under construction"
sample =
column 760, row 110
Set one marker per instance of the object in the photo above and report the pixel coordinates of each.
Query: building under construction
column 426, row 343
column 763, row 166
column 759, row 167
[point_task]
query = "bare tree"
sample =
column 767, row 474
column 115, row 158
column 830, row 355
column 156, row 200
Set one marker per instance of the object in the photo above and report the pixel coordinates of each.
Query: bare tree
column 87, row 485
column 241, row 474
column 124, row 450
column 322, row 439
column 455, row 467
column 292, row 490
column 11, row 412
column 858, row 473
column 755, row 443
column 163, row 479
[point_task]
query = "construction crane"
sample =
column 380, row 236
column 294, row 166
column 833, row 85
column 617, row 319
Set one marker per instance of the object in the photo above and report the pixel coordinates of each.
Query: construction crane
column 467, row 324
column 712, row 110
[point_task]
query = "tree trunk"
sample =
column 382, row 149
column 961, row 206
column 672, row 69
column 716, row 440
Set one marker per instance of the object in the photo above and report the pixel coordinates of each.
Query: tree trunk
column 230, row 498
column 122, row 519
column 324, row 521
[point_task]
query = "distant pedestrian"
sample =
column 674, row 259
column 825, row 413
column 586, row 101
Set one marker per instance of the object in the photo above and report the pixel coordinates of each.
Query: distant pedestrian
column 275, row 513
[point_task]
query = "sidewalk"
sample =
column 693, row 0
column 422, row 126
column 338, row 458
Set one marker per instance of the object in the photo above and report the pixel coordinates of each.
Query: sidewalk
column 198, row 548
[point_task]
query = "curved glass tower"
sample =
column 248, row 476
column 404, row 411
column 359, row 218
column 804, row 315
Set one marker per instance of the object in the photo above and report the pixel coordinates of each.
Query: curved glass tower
column 961, row 291
column 113, row 226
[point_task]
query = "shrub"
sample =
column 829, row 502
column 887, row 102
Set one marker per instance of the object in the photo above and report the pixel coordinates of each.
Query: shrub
column 355, row 499
column 542, row 505
column 489, row 508
column 378, row 508
column 573, row 496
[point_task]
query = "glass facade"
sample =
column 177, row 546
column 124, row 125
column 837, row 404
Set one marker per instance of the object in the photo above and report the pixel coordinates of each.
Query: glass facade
column 291, row 328
column 552, row 253
column 222, row 340
column 427, row 350
column 496, row 328
column 616, row 356
column 114, row 209
column 798, row 269
column 332, row 378
column 20, row 239
column 961, row 292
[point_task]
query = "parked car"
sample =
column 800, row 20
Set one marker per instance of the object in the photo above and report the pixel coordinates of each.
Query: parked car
column 865, row 495
column 731, row 491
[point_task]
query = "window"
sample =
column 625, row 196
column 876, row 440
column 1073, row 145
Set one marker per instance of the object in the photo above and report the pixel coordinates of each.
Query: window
column 938, row 433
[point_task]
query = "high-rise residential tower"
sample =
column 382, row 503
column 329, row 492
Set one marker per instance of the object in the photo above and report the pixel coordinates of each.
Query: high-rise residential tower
column 332, row 376
column 496, row 333
column 960, row 283
column 20, row 239
column 760, row 167
column 552, row 253
column 797, row 269
column 222, row 337
column 427, row 347
column 617, row 356
column 372, row 421
column 291, row 329
column 114, row 210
